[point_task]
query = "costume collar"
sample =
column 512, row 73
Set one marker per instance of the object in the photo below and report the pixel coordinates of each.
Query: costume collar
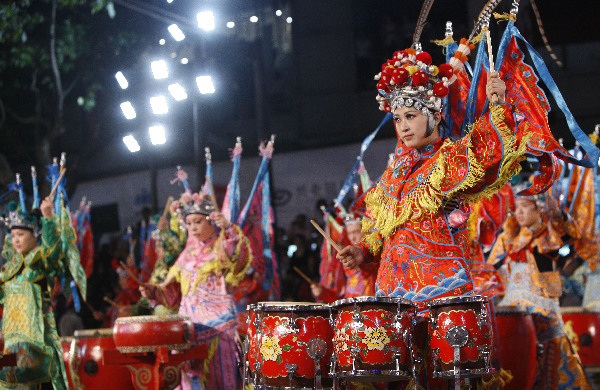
column 425, row 152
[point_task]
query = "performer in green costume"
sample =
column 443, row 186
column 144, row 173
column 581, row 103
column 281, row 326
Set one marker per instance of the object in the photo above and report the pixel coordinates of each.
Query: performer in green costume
column 38, row 249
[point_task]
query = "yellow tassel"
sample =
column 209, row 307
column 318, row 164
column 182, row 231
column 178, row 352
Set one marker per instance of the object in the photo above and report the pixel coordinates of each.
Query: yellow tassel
column 444, row 42
column 505, row 16
column 212, row 348
column 477, row 38
column 473, row 219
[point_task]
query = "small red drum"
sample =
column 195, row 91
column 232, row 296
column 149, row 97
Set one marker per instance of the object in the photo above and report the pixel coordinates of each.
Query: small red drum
column 86, row 368
column 148, row 333
column 65, row 342
column 252, row 342
column 296, row 343
column 517, row 343
column 583, row 328
column 460, row 337
column 373, row 338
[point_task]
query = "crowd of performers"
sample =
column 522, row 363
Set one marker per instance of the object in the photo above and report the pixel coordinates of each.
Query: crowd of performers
column 478, row 199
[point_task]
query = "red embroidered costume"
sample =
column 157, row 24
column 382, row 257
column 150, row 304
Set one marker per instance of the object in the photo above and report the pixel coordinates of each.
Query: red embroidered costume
column 421, row 255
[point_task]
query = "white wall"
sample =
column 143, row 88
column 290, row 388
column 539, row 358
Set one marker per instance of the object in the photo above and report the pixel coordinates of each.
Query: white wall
column 300, row 177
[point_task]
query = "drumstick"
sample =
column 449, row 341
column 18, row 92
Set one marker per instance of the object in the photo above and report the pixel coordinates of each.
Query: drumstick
column 329, row 239
column 303, row 275
column 212, row 193
column 132, row 275
column 111, row 302
column 491, row 59
column 167, row 206
column 62, row 173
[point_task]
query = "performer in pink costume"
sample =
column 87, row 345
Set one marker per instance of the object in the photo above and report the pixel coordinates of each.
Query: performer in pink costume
column 214, row 259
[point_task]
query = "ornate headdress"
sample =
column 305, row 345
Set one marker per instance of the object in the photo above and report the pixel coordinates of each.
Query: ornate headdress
column 409, row 79
column 194, row 204
column 519, row 187
column 352, row 218
column 18, row 217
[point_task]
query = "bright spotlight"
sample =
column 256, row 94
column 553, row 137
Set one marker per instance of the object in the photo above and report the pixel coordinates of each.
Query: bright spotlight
column 230, row 24
column 121, row 80
column 169, row 1
column 289, row 19
column 157, row 135
column 184, row 61
column 159, row 69
column 254, row 19
column 176, row 32
column 159, row 105
column 177, row 92
column 278, row 12
column 128, row 110
column 205, row 84
column 131, row 143
column 206, row 20
column 162, row 41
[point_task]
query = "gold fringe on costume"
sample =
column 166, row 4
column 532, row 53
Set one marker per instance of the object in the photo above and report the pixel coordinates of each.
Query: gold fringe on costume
column 219, row 264
column 224, row 264
column 388, row 213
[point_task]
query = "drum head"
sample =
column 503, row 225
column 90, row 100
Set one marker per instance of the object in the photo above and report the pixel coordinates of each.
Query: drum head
column 579, row 310
column 372, row 300
column 510, row 311
column 292, row 306
column 457, row 300
column 93, row 333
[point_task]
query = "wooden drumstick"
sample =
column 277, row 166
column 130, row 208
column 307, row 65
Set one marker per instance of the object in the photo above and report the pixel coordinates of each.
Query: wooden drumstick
column 167, row 206
column 491, row 59
column 329, row 239
column 62, row 173
column 132, row 275
column 303, row 275
column 111, row 302
column 212, row 193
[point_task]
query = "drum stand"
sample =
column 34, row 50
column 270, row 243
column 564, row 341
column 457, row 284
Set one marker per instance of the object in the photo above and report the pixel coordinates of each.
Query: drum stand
column 156, row 370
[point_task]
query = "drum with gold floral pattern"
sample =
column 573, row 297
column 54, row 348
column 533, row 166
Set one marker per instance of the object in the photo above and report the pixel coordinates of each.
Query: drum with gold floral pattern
column 296, row 343
column 252, row 341
column 373, row 337
column 460, row 337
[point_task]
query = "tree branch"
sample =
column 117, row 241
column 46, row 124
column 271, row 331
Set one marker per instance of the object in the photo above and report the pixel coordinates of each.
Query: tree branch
column 58, row 127
column 28, row 120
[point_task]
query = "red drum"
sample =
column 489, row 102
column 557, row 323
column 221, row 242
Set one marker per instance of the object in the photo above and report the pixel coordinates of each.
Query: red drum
column 296, row 343
column 87, row 368
column 517, row 343
column 373, row 337
column 460, row 337
column 252, row 342
column 148, row 333
column 66, row 353
column 583, row 328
